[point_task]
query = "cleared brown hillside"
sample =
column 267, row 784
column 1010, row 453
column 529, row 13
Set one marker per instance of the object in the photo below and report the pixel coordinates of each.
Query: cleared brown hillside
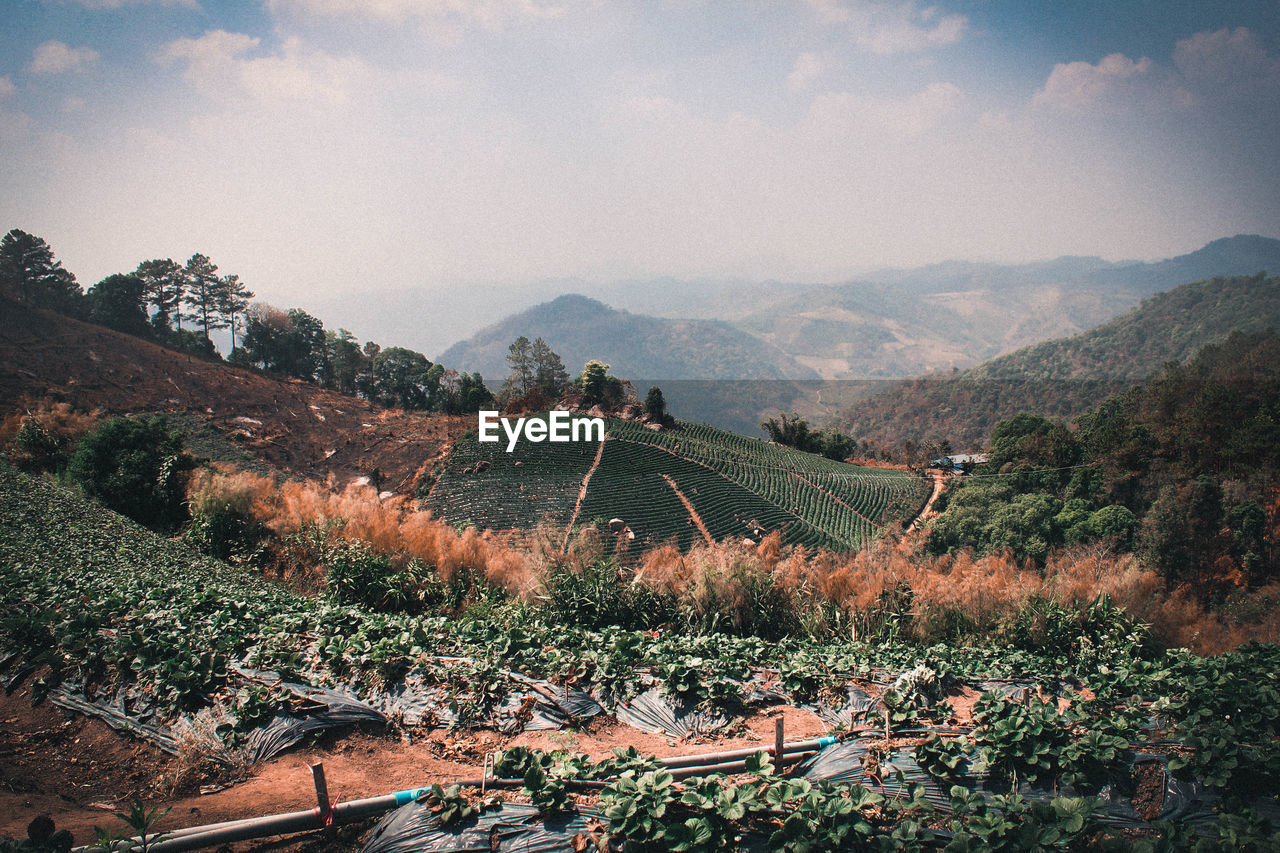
column 293, row 426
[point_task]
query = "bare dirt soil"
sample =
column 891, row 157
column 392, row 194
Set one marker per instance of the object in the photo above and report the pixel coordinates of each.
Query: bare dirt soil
column 293, row 426
column 80, row 772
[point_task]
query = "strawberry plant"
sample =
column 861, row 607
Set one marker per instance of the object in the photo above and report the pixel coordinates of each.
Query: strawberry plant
column 1020, row 741
column 635, row 807
column 451, row 806
column 943, row 758
column 1012, row 823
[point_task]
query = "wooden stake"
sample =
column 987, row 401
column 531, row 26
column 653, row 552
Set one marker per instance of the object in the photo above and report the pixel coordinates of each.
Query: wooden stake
column 322, row 789
column 777, row 744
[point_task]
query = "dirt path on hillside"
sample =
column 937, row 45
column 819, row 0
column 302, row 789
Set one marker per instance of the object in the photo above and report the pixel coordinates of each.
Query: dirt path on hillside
column 693, row 513
column 939, row 483
column 582, row 492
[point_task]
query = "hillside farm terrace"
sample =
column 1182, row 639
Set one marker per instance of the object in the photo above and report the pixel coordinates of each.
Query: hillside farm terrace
column 558, row 427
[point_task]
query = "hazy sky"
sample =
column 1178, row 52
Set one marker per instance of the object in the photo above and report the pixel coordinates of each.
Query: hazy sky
column 320, row 146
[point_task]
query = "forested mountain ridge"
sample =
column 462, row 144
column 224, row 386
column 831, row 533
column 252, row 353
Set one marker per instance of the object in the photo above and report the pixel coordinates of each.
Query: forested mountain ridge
column 635, row 345
column 901, row 323
column 886, row 324
column 1063, row 378
column 1181, row 469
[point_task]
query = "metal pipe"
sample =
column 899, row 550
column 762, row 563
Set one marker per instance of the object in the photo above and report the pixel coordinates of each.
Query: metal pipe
column 716, row 757
column 232, row 830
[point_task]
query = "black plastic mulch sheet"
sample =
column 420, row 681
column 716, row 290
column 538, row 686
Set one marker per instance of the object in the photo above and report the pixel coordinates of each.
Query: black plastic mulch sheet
column 1015, row 691
column 1187, row 801
column 514, row 826
column 556, row 707
column 539, row 705
column 325, row 709
column 131, row 710
column 415, row 702
column 657, row 714
column 849, row 762
column 125, row 711
column 852, row 710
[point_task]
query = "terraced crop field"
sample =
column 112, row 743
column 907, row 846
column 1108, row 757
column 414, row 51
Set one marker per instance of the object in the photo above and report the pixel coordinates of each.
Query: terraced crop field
column 683, row 485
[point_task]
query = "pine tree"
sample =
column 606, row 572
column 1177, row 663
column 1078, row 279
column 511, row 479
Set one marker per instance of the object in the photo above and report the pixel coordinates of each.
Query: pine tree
column 523, row 370
column 203, row 287
column 165, row 283
column 29, row 273
column 233, row 303
column 549, row 374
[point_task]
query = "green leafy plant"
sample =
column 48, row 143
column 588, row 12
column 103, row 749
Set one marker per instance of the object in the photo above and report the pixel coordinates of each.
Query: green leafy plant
column 140, row 821
column 451, row 806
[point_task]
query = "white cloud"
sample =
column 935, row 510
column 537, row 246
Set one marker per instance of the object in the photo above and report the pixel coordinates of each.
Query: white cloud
column 55, row 57
column 910, row 116
column 1209, row 69
column 1115, row 83
column 490, row 13
column 887, row 27
column 1231, row 62
column 220, row 64
column 226, row 67
column 6, row 87
column 808, row 69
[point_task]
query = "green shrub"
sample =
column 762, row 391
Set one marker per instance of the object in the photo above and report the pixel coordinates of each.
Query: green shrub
column 135, row 466
column 223, row 533
column 358, row 575
column 599, row 594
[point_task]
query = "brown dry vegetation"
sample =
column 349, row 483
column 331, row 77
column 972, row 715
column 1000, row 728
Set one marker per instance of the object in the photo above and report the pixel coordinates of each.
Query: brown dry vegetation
column 957, row 596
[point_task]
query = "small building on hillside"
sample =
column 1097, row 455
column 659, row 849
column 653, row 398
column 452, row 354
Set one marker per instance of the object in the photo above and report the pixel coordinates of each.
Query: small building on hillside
column 958, row 463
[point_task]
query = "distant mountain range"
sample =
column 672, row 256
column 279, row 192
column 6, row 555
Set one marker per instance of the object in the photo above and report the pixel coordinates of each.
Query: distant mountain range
column 635, row 345
column 1066, row 377
column 892, row 324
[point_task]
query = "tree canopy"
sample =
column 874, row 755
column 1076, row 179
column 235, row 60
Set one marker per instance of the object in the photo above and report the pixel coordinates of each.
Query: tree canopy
column 29, row 273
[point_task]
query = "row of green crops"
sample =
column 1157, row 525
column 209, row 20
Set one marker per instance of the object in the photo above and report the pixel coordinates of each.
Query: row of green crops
column 95, row 600
column 643, row 807
column 735, row 485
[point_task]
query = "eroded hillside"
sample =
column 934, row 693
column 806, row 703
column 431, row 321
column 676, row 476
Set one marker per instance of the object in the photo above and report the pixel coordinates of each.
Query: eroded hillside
column 294, row 427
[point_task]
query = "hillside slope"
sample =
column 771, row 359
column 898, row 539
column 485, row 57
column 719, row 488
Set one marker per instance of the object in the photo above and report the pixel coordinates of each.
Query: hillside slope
column 691, row 484
column 1063, row 378
column 635, row 345
column 293, row 426
column 897, row 324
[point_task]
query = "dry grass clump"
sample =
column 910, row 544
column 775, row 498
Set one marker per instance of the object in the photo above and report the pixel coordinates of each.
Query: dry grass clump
column 391, row 526
column 956, row 596
column 42, row 435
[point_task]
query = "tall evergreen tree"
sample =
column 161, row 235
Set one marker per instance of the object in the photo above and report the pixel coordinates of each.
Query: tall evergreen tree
column 165, row 283
column 30, row 273
column 523, row 369
column 549, row 374
column 233, row 303
column 203, row 289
